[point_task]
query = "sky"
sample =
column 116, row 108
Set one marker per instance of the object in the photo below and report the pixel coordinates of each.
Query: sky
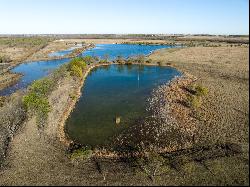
column 124, row 17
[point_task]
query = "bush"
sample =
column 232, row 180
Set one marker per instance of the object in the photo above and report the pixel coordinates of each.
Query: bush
column 82, row 153
column 200, row 90
column 197, row 90
column 120, row 60
column 42, row 87
column 194, row 101
column 76, row 71
column 73, row 96
column 129, row 61
column 140, row 59
column 76, row 66
column 160, row 63
column 88, row 59
column 149, row 61
column 36, row 100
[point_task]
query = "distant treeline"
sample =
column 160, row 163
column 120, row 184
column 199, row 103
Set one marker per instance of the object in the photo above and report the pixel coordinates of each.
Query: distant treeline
column 174, row 37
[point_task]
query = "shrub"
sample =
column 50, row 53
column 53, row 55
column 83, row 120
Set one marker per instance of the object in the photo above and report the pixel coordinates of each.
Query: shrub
column 72, row 96
column 149, row 61
column 88, row 59
column 140, row 59
column 129, row 61
column 82, row 153
column 42, row 87
column 78, row 61
column 36, row 100
column 120, row 60
column 194, row 101
column 76, row 71
column 76, row 66
column 200, row 90
column 104, row 61
column 160, row 63
column 197, row 90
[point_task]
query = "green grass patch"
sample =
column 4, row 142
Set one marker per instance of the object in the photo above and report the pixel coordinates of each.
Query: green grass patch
column 76, row 66
column 194, row 101
column 82, row 154
column 36, row 100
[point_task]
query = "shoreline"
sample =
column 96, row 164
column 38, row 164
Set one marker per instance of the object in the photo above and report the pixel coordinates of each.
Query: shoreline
column 18, row 75
column 67, row 141
column 63, row 137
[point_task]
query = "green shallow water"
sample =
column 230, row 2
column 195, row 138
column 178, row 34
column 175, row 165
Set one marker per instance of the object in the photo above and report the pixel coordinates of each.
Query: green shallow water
column 111, row 91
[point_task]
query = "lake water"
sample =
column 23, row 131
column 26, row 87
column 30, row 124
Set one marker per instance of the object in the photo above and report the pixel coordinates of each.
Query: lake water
column 124, row 50
column 32, row 71
column 38, row 69
column 109, row 92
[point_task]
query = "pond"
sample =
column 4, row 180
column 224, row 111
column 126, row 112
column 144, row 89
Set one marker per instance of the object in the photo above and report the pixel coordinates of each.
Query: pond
column 125, row 50
column 38, row 69
column 32, row 71
column 113, row 91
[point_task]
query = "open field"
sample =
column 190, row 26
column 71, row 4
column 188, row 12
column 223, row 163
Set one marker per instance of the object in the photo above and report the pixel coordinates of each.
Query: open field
column 225, row 72
column 19, row 49
column 219, row 155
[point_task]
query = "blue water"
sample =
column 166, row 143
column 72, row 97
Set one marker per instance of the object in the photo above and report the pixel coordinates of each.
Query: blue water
column 32, row 71
column 38, row 69
column 124, row 50
column 111, row 91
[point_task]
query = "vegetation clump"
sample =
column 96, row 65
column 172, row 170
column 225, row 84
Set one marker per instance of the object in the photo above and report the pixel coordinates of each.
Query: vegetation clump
column 160, row 63
column 200, row 90
column 82, row 154
column 36, row 100
column 120, row 60
column 140, row 59
column 194, row 101
column 197, row 91
column 149, row 61
column 76, row 66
